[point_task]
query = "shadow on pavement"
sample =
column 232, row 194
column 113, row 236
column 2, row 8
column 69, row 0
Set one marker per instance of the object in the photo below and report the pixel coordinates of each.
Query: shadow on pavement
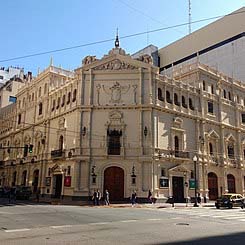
column 235, row 238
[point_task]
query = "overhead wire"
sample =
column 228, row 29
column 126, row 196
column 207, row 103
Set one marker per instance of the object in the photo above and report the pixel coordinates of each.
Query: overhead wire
column 122, row 37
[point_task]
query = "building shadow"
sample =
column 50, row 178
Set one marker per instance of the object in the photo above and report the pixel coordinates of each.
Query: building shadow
column 231, row 239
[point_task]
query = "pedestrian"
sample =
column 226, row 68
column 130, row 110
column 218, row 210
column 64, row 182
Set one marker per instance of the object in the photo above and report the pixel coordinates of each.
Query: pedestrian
column 37, row 194
column 133, row 198
column 106, row 197
column 98, row 197
column 94, row 197
column 198, row 197
column 150, row 197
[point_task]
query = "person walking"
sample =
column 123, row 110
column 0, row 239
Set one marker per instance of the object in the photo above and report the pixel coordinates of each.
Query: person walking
column 150, row 197
column 98, row 197
column 38, row 194
column 133, row 198
column 106, row 196
column 94, row 198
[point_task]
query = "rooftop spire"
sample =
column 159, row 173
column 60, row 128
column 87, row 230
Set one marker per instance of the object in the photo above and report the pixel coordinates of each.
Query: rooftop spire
column 117, row 40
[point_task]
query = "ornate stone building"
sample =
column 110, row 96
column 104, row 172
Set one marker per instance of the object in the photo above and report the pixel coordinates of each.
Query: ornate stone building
column 115, row 123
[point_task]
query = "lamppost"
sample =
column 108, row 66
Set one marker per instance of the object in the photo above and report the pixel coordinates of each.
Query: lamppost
column 195, row 177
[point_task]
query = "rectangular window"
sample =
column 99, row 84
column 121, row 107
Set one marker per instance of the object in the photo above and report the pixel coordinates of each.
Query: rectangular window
column 210, row 107
column 163, row 182
column 12, row 99
column 243, row 117
column 162, row 172
column 19, row 119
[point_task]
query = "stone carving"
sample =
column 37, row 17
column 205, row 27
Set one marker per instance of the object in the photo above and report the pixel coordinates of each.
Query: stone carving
column 115, row 65
column 89, row 59
column 116, row 92
column 62, row 122
column 146, row 58
column 98, row 87
column 135, row 92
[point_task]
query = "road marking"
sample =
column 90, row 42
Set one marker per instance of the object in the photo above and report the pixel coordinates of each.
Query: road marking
column 60, row 226
column 128, row 221
column 17, row 230
column 99, row 223
column 153, row 219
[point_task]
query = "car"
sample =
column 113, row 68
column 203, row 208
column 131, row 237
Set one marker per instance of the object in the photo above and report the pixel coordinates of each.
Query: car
column 230, row 200
column 23, row 192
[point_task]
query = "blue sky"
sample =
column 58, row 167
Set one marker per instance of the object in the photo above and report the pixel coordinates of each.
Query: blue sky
column 29, row 26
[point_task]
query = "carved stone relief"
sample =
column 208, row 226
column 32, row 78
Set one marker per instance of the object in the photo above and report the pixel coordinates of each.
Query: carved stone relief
column 146, row 59
column 115, row 65
column 89, row 59
column 116, row 91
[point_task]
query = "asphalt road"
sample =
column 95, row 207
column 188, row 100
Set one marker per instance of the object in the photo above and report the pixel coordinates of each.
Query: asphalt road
column 56, row 224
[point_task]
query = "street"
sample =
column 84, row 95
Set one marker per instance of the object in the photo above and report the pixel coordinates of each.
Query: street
column 25, row 223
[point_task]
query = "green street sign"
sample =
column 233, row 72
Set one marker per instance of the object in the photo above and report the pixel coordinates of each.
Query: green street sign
column 192, row 183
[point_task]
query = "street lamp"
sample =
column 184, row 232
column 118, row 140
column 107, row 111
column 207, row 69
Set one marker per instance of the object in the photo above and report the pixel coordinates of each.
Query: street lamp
column 195, row 176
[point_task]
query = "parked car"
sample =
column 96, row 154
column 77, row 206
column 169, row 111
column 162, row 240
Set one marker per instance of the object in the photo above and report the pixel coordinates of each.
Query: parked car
column 4, row 192
column 230, row 200
column 23, row 192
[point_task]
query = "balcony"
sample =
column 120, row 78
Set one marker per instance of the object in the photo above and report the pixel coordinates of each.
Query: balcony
column 57, row 154
column 163, row 153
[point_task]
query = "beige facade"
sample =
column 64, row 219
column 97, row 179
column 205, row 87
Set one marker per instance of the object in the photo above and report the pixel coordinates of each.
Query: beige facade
column 116, row 123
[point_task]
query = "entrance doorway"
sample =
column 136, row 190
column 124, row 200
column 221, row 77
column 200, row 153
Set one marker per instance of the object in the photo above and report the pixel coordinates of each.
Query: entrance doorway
column 231, row 183
column 114, row 183
column 57, row 185
column 35, row 180
column 178, row 189
column 213, row 186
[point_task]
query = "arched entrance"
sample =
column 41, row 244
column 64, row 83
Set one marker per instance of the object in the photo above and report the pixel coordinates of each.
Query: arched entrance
column 213, row 186
column 35, row 180
column 231, row 183
column 57, row 185
column 114, row 183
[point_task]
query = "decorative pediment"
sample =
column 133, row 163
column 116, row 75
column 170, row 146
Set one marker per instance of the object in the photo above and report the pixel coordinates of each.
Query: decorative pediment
column 27, row 139
column 178, row 122
column 38, row 134
column 17, row 141
column 212, row 134
column 89, row 60
column 230, row 138
column 179, row 168
column 116, row 65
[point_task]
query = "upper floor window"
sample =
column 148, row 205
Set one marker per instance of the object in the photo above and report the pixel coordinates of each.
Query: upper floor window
column 243, row 117
column 63, row 100
column 32, row 96
column 53, row 105
column 168, row 97
column 12, row 99
column 159, row 94
column 229, row 95
column 238, row 99
column 176, row 100
column 203, row 85
column 19, row 119
column 224, row 93
column 210, row 107
column 40, row 109
column 58, row 103
column 211, row 152
column 74, row 95
column 45, row 88
column 191, row 104
column 61, row 143
column 230, row 150
column 212, row 89
column 40, row 92
column 114, row 144
column 183, row 102
column 68, row 98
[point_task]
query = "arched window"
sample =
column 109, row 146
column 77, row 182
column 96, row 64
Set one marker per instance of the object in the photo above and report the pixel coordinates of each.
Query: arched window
column 40, row 108
column 183, row 102
column 203, row 85
column 68, row 98
column 168, row 98
column 229, row 95
column 159, row 94
column 231, row 183
column 224, row 93
column 230, row 150
column 63, row 100
column 191, row 104
column 23, row 179
column 211, row 152
column 61, row 143
column 176, row 101
column 74, row 95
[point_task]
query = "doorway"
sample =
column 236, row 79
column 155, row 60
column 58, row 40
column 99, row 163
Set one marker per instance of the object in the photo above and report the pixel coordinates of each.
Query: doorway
column 213, row 186
column 35, row 180
column 114, row 183
column 57, row 185
column 178, row 189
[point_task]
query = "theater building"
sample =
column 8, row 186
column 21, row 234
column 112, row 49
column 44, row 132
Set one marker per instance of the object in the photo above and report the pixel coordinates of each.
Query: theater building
column 116, row 123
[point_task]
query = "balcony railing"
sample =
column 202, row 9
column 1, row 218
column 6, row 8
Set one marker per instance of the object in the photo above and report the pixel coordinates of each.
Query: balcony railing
column 57, row 154
column 173, row 153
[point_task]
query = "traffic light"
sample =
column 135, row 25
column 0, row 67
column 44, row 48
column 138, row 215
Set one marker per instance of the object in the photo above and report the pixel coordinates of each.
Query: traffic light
column 25, row 150
column 30, row 148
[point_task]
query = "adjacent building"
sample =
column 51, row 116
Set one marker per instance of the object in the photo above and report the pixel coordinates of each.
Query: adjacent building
column 116, row 123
